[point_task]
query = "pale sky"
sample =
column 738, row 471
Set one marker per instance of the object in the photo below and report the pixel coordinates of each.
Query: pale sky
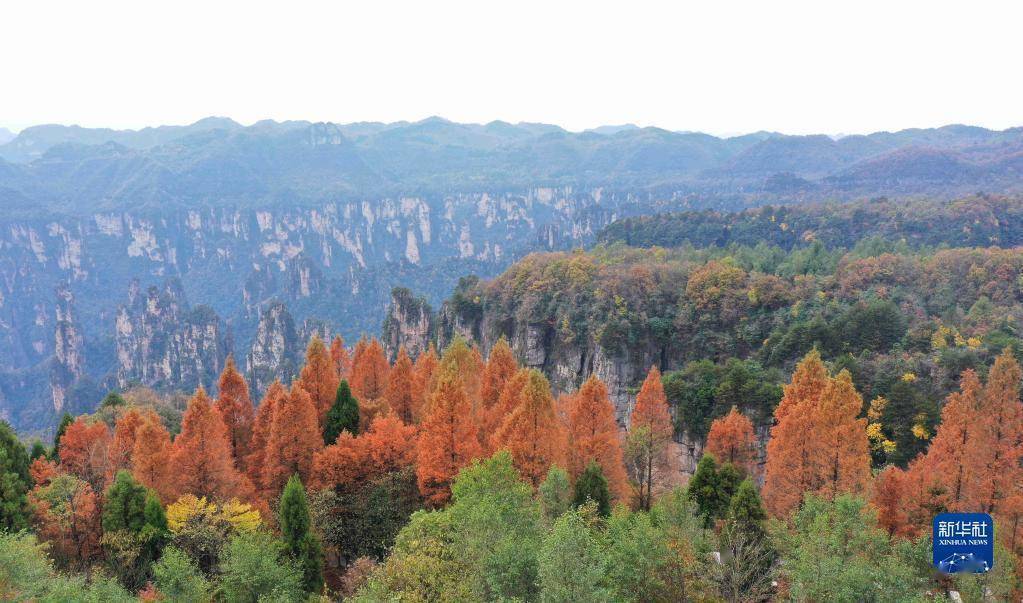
column 715, row 66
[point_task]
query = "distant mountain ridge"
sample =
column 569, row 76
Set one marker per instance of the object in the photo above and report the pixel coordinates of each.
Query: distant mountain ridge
column 70, row 170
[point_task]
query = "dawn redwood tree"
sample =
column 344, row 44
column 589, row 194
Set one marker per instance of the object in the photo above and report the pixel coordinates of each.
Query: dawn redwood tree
column 532, row 432
column 499, row 368
column 593, row 436
column 1000, row 437
column 507, row 402
column 123, row 444
column 235, row 408
column 294, row 438
column 85, row 451
column 842, row 437
column 261, row 430
column 151, row 458
column 369, row 378
column 319, row 377
column 423, row 381
column 650, row 433
column 342, row 360
column 399, row 387
column 388, row 445
column 342, row 416
column 889, row 498
column 731, row 439
column 465, row 362
column 447, row 439
column 201, row 457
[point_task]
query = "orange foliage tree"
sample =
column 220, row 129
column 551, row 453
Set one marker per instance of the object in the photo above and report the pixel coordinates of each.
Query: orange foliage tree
column 1000, row 437
column 731, row 439
column 121, row 447
column 235, row 408
column 399, row 393
column 499, row 368
column 342, row 360
column 532, row 432
column 151, row 458
column 261, row 431
column 507, row 402
column 467, row 365
column 593, row 436
column 888, row 496
column 85, row 451
column 67, row 516
column 818, row 443
column 201, row 454
column 650, row 432
column 389, row 445
column 369, row 378
column 447, row 439
column 423, row 381
column 294, row 439
column 319, row 377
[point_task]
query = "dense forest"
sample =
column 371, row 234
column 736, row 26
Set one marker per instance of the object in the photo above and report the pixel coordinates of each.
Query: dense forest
column 839, row 389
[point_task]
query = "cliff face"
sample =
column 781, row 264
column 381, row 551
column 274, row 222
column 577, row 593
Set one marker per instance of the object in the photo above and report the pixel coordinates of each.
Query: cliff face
column 275, row 349
column 162, row 342
column 409, row 324
column 68, row 363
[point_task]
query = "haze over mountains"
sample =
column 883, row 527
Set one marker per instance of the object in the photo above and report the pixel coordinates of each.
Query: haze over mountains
column 68, row 169
column 148, row 256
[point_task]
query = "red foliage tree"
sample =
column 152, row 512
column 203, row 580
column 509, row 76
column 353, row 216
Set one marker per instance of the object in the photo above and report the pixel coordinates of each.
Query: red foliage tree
column 123, row 443
column 447, row 439
column 261, row 431
column 294, row 439
column 593, row 436
column 85, row 451
column 1000, row 437
column 152, row 458
column 499, row 368
column 532, row 432
column 650, row 433
column 319, row 377
column 67, row 516
column 235, row 408
column 342, row 360
column 369, row 378
column 389, row 445
column 731, row 439
column 201, row 454
column 423, row 381
column 889, row 492
column 399, row 394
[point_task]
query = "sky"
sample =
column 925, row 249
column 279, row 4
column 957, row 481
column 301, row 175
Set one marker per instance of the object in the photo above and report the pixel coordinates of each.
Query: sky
column 720, row 66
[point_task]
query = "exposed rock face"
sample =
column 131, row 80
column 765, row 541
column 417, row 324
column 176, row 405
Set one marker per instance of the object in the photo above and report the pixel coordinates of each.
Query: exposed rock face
column 68, row 363
column 409, row 324
column 275, row 352
column 161, row 342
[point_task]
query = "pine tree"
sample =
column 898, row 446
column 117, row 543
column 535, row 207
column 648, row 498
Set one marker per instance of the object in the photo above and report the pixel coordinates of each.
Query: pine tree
column 319, row 377
column 299, row 540
column 124, row 504
column 151, row 458
column 342, row 360
column 65, row 420
column 201, row 454
column 14, row 481
column 343, row 415
column 712, row 487
column 399, row 387
column 591, row 485
column 732, row 440
column 295, row 437
column 532, row 432
column 235, row 408
column 593, row 436
column 650, row 432
column 447, row 440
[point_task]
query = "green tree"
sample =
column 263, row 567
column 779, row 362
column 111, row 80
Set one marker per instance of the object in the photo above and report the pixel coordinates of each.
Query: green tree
column 257, row 567
column 134, row 529
column 37, row 451
column 299, row 540
column 555, row 493
column 342, row 416
column 711, row 488
column 747, row 555
column 592, row 486
column 178, row 579
column 112, row 400
column 571, row 562
column 14, row 480
column 124, row 506
column 65, row 420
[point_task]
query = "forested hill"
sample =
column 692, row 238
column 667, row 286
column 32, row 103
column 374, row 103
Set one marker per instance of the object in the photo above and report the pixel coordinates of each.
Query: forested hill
column 978, row 220
column 57, row 169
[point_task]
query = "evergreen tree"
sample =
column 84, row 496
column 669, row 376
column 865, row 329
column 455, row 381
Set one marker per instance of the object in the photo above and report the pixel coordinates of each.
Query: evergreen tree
column 592, row 486
column 14, row 480
column 37, row 451
column 342, row 416
column 299, row 540
column 555, row 493
column 746, row 511
column 124, row 507
column 65, row 421
column 112, row 400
